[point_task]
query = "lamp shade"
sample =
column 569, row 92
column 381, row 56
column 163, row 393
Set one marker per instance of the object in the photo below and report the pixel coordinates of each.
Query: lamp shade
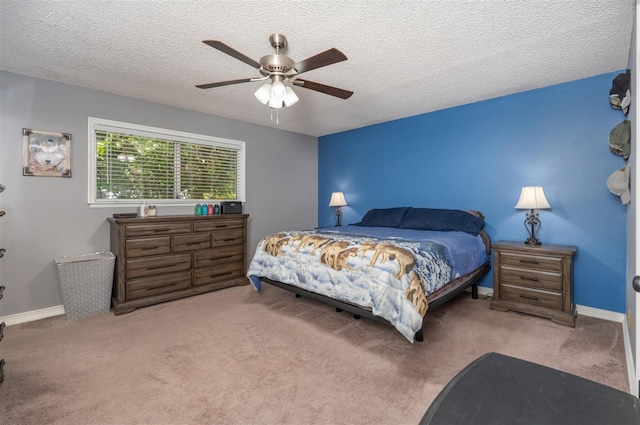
column 263, row 93
column 290, row 97
column 275, row 103
column 337, row 200
column 278, row 90
column 278, row 93
column 532, row 197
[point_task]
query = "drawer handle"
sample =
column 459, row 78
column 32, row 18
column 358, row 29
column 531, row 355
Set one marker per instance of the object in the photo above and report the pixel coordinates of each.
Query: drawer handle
column 161, row 267
column 529, row 297
column 161, row 286
column 2, row 288
column 219, row 274
column 147, row 248
column 221, row 226
column 2, row 325
column 528, row 261
column 533, row 279
column 229, row 239
column 166, row 229
column 224, row 256
column 196, row 243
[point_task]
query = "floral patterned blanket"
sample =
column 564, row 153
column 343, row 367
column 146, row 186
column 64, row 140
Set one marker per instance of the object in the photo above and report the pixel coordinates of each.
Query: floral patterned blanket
column 390, row 271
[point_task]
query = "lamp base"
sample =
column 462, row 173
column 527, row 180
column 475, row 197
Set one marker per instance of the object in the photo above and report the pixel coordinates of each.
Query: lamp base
column 338, row 215
column 532, row 223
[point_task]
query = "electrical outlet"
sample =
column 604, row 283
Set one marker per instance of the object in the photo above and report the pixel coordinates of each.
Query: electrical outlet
column 629, row 319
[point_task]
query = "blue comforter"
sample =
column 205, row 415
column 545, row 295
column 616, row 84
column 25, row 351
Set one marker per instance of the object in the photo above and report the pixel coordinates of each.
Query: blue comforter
column 389, row 270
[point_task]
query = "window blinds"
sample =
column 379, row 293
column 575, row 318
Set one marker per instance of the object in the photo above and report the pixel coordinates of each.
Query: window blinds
column 141, row 164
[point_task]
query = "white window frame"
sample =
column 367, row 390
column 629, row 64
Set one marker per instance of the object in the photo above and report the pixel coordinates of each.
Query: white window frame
column 159, row 133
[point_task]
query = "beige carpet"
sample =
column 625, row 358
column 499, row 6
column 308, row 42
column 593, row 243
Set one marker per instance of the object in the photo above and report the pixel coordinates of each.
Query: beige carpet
column 238, row 357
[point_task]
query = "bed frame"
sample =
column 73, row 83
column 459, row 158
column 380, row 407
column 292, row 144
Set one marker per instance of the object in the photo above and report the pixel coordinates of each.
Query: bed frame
column 440, row 298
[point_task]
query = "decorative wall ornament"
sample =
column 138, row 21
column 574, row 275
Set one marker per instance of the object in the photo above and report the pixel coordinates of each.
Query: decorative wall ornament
column 46, row 154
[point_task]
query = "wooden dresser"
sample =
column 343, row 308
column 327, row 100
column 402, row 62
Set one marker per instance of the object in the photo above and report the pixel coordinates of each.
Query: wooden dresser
column 534, row 279
column 168, row 257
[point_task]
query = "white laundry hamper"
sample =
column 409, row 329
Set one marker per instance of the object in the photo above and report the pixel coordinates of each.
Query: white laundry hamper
column 86, row 281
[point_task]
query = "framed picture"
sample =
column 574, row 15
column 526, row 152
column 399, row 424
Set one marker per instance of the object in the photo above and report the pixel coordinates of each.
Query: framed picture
column 45, row 153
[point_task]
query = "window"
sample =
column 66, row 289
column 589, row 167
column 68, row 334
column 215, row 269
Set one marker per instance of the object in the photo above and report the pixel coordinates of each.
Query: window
column 129, row 163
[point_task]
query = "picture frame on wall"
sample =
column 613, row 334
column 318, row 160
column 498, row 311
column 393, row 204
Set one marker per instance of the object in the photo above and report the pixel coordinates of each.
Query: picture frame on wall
column 45, row 153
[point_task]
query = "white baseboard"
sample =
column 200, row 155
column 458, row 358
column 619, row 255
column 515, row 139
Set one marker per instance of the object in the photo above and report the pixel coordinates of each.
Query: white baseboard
column 601, row 314
column 31, row 316
column 484, row 291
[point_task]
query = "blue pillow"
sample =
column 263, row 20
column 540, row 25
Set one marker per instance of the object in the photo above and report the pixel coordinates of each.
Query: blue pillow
column 442, row 220
column 383, row 217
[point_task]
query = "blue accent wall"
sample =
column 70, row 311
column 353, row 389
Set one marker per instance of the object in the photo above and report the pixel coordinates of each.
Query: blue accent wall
column 478, row 156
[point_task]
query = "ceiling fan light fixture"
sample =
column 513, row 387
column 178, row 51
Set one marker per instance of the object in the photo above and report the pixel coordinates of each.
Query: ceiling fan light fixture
column 278, row 90
column 290, row 97
column 278, row 69
column 263, row 94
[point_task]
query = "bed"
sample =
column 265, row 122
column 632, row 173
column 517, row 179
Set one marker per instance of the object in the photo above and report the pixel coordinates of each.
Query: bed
column 393, row 266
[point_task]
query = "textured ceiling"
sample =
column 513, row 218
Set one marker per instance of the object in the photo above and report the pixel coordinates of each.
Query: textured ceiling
column 404, row 57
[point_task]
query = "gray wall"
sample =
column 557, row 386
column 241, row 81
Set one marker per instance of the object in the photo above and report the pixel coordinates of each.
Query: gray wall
column 49, row 217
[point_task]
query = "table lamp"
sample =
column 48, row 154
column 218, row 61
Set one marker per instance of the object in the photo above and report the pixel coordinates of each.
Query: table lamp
column 532, row 198
column 337, row 200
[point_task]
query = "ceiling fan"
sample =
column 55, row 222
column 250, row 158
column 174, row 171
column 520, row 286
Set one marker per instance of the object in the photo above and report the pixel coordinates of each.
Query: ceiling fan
column 278, row 69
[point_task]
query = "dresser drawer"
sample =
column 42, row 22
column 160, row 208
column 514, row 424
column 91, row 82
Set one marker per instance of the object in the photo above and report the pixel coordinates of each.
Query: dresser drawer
column 228, row 237
column 218, row 274
column 216, row 257
column 531, row 278
column 191, row 242
column 154, row 229
column 147, row 246
column 533, row 297
column 206, row 226
column 157, row 265
column 531, row 261
column 154, row 285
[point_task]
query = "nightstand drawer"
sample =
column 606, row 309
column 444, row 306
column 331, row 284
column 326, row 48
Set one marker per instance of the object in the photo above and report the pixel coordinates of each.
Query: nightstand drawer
column 535, row 297
column 531, row 278
column 531, row 261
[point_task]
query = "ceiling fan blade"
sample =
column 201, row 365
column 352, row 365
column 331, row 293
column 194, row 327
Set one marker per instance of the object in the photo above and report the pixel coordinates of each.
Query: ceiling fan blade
column 322, row 88
column 223, row 83
column 325, row 58
column 231, row 52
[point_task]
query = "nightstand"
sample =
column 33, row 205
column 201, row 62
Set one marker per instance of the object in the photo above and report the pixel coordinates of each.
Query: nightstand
column 534, row 279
